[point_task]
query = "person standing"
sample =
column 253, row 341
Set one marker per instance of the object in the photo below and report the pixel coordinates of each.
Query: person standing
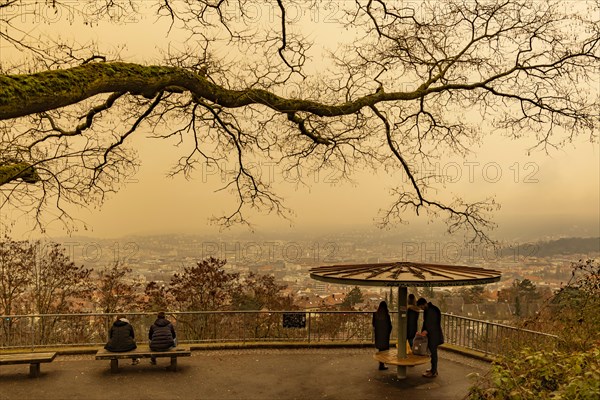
column 432, row 327
column 382, row 323
column 121, row 337
column 412, row 319
column 162, row 335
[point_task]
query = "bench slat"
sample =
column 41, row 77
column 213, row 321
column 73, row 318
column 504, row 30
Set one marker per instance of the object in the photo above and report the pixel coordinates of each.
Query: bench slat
column 391, row 357
column 33, row 359
column 26, row 358
column 104, row 354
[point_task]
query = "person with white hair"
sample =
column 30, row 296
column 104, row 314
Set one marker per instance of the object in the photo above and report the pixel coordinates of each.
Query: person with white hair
column 121, row 337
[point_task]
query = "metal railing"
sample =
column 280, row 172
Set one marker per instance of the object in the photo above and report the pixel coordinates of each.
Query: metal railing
column 492, row 338
column 352, row 327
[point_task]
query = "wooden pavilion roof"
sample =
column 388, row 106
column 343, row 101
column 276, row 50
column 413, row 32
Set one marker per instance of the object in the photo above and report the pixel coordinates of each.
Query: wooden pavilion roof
column 405, row 274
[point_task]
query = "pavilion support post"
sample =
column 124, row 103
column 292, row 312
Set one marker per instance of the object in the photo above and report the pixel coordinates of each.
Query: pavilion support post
column 401, row 340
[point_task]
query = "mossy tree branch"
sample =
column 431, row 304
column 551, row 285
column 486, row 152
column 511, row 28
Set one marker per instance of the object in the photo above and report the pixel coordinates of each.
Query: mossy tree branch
column 12, row 171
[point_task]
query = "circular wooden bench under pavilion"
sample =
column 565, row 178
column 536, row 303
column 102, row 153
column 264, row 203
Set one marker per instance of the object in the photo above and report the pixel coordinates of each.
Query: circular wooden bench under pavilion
column 391, row 357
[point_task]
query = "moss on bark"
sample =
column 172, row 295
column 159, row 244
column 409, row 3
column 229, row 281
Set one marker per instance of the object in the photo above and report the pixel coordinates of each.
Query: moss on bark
column 19, row 170
column 22, row 95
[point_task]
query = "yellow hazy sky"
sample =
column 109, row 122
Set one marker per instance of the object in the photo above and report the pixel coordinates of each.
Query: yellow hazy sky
column 560, row 190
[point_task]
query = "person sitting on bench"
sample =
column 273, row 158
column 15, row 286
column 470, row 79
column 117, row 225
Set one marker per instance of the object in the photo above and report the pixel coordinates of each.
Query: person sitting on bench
column 162, row 335
column 121, row 337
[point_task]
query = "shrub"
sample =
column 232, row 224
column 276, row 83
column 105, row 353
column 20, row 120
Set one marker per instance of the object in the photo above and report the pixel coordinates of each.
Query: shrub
column 541, row 375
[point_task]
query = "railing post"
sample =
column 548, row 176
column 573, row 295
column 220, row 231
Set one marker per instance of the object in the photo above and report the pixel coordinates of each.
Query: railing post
column 244, row 323
column 214, row 324
column 309, row 323
column 487, row 328
column 32, row 325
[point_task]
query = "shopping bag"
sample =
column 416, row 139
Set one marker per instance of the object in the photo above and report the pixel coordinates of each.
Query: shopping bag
column 420, row 345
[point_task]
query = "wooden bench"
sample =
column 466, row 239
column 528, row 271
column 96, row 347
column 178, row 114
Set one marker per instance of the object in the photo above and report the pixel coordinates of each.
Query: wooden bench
column 33, row 359
column 391, row 357
column 114, row 357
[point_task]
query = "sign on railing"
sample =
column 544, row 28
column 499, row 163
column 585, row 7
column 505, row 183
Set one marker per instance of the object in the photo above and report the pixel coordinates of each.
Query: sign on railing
column 294, row 320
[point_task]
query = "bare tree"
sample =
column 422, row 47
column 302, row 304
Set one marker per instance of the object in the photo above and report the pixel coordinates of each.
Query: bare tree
column 203, row 287
column 157, row 297
column 115, row 293
column 418, row 82
column 257, row 292
column 15, row 276
column 39, row 278
column 58, row 285
column 15, row 280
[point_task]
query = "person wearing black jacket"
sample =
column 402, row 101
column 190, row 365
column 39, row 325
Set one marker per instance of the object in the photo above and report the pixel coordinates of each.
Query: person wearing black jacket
column 382, row 324
column 162, row 335
column 432, row 327
column 121, row 337
column 412, row 319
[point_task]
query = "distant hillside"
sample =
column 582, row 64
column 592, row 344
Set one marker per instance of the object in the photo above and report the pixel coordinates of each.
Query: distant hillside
column 563, row 246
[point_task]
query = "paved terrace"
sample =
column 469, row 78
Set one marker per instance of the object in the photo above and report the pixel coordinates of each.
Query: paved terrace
column 268, row 373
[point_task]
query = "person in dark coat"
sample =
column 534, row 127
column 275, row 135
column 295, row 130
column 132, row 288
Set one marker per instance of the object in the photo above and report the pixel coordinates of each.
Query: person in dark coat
column 412, row 319
column 162, row 335
column 432, row 327
column 383, row 328
column 121, row 337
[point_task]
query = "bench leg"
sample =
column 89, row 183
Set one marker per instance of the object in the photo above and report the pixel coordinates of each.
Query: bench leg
column 173, row 366
column 401, row 371
column 114, row 365
column 34, row 370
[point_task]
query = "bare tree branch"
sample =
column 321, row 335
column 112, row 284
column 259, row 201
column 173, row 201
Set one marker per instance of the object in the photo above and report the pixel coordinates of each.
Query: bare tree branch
column 397, row 94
